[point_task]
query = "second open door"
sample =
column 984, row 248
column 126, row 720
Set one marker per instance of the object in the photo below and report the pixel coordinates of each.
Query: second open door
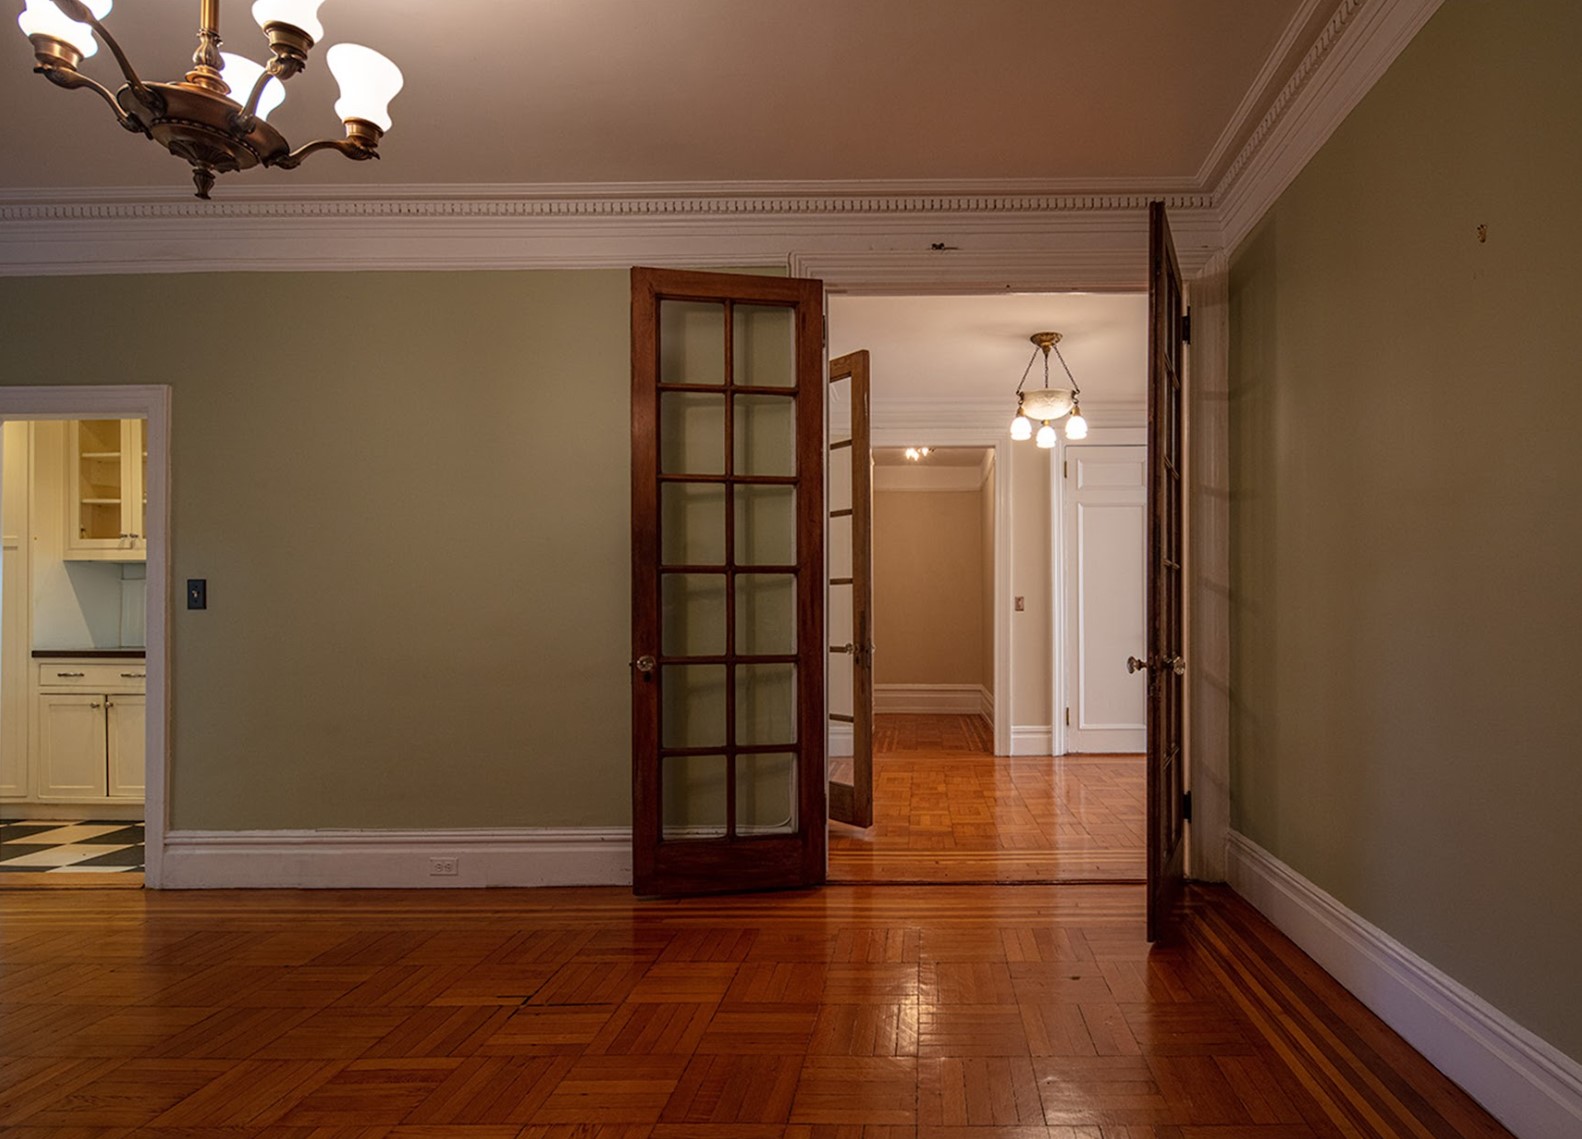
column 850, row 605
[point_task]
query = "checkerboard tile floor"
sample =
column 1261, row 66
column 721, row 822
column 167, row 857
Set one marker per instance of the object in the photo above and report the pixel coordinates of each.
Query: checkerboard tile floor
column 55, row 847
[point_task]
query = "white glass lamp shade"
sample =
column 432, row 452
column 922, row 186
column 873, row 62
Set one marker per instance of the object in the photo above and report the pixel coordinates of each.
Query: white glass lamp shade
column 302, row 14
column 240, row 73
column 1076, row 426
column 1046, row 437
column 42, row 18
column 368, row 82
column 1048, row 403
column 1021, row 426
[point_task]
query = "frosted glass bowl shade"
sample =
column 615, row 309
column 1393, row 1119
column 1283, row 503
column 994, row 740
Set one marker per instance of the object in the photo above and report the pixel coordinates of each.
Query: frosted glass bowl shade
column 368, row 82
column 303, row 14
column 1047, row 403
column 42, row 18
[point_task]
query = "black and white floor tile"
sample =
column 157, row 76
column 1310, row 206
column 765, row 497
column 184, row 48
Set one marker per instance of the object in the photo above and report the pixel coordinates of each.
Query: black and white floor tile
column 55, row 847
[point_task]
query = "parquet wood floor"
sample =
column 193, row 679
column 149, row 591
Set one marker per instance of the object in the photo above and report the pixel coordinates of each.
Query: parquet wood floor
column 852, row 1013
column 946, row 809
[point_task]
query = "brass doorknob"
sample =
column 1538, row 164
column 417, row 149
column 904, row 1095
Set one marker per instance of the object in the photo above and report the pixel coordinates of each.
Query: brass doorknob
column 1135, row 665
column 1175, row 665
column 644, row 664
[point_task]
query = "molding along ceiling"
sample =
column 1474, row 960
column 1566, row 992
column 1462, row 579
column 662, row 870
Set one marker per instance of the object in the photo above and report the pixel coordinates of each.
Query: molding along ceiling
column 1299, row 67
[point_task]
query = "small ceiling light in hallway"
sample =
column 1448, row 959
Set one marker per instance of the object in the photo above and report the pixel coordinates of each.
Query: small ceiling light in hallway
column 1046, row 404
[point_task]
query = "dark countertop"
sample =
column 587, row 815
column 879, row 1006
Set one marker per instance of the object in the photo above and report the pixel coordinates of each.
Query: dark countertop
column 89, row 654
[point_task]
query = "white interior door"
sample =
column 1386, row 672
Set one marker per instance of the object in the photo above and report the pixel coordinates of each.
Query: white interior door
column 1106, row 530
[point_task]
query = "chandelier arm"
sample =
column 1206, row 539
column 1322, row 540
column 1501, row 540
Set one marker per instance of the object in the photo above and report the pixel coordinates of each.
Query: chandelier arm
column 1074, row 385
column 71, row 80
column 1027, row 370
column 77, row 10
column 351, row 148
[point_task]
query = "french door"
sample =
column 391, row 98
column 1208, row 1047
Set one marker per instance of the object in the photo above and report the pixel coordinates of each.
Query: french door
column 851, row 588
column 728, row 569
column 1166, row 668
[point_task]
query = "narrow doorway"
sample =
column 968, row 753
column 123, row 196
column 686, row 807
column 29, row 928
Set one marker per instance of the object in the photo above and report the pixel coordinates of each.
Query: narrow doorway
column 73, row 635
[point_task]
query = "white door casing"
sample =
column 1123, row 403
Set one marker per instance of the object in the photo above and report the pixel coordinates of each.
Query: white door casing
column 1105, row 515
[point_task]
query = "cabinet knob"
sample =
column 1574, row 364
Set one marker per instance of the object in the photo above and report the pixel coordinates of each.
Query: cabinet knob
column 95, row 704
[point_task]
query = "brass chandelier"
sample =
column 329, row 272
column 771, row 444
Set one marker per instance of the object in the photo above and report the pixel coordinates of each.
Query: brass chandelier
column 1046, row 403
column 197, row 118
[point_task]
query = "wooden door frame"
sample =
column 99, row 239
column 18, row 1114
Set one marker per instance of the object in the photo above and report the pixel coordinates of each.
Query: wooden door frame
column 132, row 401
column 947, row 433
column 1207, row 447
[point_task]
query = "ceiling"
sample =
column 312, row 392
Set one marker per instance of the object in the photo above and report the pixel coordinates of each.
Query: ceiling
column 946, row 347
column 634, row 91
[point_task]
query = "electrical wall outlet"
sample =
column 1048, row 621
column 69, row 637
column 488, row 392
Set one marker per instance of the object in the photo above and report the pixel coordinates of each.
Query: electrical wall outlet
column 443, row 867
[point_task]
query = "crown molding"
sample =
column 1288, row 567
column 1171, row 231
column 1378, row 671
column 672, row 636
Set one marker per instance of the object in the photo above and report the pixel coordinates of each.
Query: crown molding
column 873, row 236
column 1354, row 49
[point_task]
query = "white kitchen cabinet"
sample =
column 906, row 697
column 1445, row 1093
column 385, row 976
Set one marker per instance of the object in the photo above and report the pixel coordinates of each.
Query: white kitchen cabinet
column 106, row 477
column 124, row 719
column 71, row 747
column 89, row 720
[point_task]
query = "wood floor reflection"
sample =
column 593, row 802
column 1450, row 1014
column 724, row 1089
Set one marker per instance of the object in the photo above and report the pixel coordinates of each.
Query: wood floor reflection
column 1027, row 1012
column 946, row 809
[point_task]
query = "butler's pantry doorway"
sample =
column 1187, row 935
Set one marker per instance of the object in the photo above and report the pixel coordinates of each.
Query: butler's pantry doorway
column 82, row 616
column 1018, row 757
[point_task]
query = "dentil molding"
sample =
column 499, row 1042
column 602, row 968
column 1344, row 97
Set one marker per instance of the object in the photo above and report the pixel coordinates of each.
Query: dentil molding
column 857, row 236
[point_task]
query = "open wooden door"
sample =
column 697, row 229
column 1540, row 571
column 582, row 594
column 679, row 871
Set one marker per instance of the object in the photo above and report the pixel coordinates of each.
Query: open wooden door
column 851, row 589
column 728, row 788
column 1166, row 669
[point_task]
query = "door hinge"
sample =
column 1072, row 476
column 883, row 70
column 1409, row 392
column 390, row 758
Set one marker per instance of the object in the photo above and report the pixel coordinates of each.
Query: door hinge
column 1068, row 717
column 1065, row 468
column 1186, row 806
column 826, row 330
column 1186, row 327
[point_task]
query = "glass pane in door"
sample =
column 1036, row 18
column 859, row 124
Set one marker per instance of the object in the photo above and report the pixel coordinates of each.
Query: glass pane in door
column 100, row 482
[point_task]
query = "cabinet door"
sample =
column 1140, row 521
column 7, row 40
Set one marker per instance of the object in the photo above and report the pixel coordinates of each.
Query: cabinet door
column 105, row 475
column 71, row 747
column 125, row 742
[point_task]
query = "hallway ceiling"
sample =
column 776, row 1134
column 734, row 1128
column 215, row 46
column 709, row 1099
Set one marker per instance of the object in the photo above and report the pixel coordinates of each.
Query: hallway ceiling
column 977, row 346
column 607, row 91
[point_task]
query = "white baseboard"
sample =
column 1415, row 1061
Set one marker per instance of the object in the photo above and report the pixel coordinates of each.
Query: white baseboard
column 986, row 703
column 936, row 699
column 842, row 740
column 560, row 856
column 1032, row 739
column 1525, row 1082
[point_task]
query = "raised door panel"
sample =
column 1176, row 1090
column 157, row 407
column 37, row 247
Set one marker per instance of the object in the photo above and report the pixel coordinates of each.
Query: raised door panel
column 124, row 739
column 71, row 747
column 1106, row 531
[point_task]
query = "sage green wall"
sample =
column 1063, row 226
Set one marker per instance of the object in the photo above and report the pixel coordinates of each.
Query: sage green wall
column 409, row 495
column 1407, row 548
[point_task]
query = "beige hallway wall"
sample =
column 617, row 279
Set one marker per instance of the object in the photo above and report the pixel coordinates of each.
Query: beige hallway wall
column 928, row 587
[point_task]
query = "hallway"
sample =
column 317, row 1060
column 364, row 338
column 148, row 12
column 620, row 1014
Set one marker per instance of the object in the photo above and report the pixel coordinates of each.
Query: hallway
column 946, row 809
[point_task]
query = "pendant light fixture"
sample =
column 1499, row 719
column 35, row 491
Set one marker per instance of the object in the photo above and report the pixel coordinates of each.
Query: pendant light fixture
column 216, row 118
column 1047, row 404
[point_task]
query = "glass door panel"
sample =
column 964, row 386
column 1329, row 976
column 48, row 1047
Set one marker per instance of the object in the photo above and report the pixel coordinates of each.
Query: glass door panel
column 727, row 582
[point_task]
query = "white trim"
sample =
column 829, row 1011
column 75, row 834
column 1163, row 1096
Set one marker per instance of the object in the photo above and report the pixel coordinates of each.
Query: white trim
column 841, row 741
column 910, row 236
column 319, row 859
column 1354, row 49
column 929, row 699
column 1257, row 98
column 985, row 703
column 1525, row 1082
column 1032, row 739
column 131, row 401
